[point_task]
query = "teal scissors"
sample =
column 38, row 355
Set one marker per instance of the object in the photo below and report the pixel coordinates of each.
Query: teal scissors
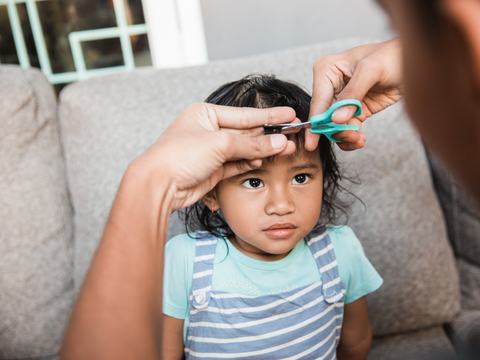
column 318, row 124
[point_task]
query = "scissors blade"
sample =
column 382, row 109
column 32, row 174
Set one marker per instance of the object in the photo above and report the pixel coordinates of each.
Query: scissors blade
column 269, row 129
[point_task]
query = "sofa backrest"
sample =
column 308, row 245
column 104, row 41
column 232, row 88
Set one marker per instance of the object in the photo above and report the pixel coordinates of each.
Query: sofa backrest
column 106, row 122
column 36, row 267
column 462, row 216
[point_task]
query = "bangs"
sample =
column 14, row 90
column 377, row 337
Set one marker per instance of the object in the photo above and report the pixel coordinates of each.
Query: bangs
column 262, row 92
column 299, row 141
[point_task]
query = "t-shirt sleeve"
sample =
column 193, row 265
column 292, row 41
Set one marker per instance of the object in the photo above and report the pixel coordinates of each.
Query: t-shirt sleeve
column 177, row 278
column 355, row 270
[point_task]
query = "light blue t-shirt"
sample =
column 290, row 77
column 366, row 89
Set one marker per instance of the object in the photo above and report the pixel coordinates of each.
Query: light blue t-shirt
column 235, row 272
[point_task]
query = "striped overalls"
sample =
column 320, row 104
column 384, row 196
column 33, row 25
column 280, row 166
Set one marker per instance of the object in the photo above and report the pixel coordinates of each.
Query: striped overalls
column 303, row 323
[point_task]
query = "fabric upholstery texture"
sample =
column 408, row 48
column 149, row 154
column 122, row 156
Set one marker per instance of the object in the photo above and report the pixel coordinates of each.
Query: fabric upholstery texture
column 465, row 332
column 428, row 344
column 463, row 219
column 36, row 284
column 107, row 122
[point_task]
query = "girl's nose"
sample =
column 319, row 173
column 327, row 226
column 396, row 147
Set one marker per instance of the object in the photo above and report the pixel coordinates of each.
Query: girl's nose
column 279, row 202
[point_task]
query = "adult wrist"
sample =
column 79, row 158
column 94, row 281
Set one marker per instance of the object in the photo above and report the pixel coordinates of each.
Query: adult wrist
column 155, row 182
column 147, row 196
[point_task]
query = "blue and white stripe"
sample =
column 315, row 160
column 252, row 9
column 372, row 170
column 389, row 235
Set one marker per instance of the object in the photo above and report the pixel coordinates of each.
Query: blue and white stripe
column 301, row 323
column 203, row 270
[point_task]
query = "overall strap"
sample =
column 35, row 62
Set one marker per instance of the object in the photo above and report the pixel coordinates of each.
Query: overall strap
column 322, row 249
column 203, row 269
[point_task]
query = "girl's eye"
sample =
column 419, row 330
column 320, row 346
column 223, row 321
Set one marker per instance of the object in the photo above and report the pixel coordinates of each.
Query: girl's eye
column 253, row 183
column 300, row 179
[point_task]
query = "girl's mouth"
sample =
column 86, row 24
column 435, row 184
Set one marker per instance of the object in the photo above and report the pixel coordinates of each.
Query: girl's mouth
column 280, row 230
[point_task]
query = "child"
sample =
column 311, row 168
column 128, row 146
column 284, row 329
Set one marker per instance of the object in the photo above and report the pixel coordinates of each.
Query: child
column 269, row 276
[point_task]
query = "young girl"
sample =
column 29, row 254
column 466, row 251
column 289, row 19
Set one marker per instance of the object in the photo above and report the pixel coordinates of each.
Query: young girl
column 267, row 275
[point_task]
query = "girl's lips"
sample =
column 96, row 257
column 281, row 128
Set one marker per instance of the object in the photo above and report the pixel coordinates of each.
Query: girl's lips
column 279, row 231
column 281, row 226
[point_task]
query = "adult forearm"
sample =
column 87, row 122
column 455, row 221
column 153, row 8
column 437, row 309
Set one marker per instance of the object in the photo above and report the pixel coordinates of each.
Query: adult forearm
column 117, row 315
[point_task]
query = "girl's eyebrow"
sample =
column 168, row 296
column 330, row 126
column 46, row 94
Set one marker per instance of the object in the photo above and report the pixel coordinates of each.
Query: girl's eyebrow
column 249, row 174
column 256, row 171
column 307, row 166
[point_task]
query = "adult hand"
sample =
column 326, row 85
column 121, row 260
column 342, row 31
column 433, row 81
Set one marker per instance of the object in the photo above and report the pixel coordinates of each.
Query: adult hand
column 369, row 73
column 208, row 143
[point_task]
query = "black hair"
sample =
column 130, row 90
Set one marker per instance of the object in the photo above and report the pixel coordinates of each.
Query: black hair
column 266, row 91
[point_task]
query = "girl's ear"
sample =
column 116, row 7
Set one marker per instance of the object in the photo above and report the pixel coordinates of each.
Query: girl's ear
column 210, row 199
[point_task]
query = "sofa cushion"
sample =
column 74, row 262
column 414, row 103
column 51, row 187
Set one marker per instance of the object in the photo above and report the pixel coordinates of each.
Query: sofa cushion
column 463, row 219
column 465, row 333
column 36, row 287
column 108, row 121
column 428, row 344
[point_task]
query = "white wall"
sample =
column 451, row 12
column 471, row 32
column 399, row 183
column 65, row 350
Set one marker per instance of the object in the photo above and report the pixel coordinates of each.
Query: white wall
column 235, row 28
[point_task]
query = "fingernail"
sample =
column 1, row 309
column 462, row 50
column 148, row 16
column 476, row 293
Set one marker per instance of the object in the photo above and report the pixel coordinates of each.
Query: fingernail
column 278, row 141
column 343, row 113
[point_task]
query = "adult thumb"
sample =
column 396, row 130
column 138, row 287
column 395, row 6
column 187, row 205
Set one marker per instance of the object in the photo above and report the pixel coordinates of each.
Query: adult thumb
column 359, row 85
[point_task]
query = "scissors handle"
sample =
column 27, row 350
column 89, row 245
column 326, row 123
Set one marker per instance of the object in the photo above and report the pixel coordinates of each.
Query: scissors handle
column 326, row 117
column 331, row 129
column 322, row 124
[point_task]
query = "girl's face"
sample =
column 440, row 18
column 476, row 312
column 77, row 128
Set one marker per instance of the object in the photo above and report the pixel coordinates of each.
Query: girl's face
column 271, row 209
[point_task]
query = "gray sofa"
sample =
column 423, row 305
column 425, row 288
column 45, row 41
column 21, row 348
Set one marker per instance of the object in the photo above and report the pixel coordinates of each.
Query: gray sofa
column 61, row 162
